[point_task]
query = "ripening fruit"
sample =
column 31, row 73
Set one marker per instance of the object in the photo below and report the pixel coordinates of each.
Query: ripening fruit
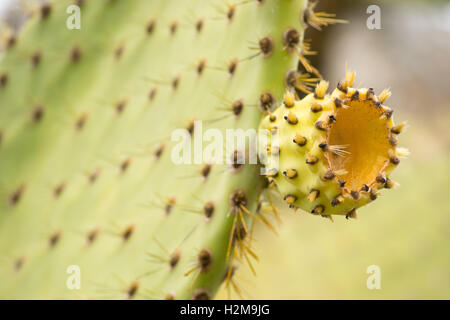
column 333, row 152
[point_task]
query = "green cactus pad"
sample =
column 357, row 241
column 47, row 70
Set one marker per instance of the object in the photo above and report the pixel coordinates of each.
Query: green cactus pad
column 86, row 117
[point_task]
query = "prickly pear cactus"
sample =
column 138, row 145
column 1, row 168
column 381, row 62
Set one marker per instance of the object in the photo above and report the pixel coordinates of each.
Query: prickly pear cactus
column 331, row 154
column 94, row 200
column 88, row 185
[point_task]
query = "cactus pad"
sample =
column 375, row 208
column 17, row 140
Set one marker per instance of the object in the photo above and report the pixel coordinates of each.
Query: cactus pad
column 87, row 176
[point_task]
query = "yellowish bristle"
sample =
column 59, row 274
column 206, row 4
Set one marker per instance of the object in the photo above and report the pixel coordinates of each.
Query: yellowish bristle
column 300, row 140
column 398, row 128
column 321, row 89
column 351, row 214
column 291, row 118
column 384, row 95
column 340, row 172
column 290, row 199
column 313, row 195
column 402, row 152
column 289, row 99
column 316, row 107
column 318, row 20
column 349, row 78
column 291, row 173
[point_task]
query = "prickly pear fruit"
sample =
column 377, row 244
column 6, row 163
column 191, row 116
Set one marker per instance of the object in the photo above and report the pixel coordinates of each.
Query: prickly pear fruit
column 330, row 154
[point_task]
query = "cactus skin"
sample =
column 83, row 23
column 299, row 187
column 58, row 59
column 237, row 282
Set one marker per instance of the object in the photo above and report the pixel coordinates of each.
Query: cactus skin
column 334, row 151
column 86, row 176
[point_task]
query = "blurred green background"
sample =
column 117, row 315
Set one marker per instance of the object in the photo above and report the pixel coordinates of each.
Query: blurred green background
column 407, row 231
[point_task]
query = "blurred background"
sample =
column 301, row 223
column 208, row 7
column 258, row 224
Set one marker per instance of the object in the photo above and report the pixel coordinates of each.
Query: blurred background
column 407, row 233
